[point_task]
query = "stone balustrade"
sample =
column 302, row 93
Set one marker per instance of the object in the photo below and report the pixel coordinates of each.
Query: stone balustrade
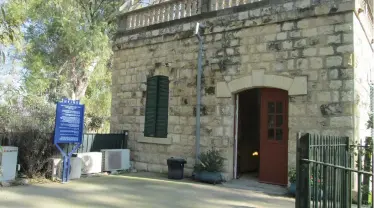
column 173, row 10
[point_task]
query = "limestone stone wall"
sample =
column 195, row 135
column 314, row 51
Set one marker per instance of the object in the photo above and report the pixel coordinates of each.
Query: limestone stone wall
column 292, row 39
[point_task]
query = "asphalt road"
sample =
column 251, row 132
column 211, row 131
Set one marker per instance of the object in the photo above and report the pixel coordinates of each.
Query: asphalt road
column 136, row 191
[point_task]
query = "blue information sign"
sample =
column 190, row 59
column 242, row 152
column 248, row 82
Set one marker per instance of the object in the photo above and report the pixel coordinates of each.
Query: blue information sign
column 68, row 129
column 69, row 122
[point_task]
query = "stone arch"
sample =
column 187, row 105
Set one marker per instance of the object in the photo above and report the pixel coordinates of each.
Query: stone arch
column 294, row 86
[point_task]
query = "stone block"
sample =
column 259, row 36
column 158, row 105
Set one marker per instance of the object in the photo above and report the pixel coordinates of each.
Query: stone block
column 343, row 27
column 222, row 90
column 335, row 84
column 297, row 109
column 341, row 121
column 310, row 32
column 331, row 109
column 243, row 15
column 326, row 30
column 240, row 84
column 345, row 49
column 261, row 47
column 295, row 34
column 310, row 52
column 334, row 61
column 141, row 166
column 326, row 51
column 334, row 39
column 300, row 43
column 288, row 26
column 324, row 96
column 282, row 36
column 268, row 57
column 287, row 44
column 302, row 64
column 257, row 78
column 316, row 63
column 299, row 86
column 279, row 82
column 347, row 96
column 156, row 168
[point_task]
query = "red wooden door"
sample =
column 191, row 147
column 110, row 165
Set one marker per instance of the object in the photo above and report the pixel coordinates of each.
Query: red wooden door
column 274, row 136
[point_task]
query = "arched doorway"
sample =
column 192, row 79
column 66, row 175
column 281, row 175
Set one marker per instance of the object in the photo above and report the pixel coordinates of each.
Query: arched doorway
column 262, row 134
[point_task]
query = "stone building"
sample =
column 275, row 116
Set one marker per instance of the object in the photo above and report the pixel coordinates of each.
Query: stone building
column 271, row 69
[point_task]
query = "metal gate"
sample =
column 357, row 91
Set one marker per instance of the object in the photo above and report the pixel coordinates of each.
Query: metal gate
column 327, row 167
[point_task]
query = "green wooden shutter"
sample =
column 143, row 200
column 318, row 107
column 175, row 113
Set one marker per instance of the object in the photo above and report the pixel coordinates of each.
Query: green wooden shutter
column 162, row 107
column 151, row 107
column 157, row 107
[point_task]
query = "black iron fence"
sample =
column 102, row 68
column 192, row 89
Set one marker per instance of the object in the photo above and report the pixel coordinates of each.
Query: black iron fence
column 332, row 172
column 95, row 142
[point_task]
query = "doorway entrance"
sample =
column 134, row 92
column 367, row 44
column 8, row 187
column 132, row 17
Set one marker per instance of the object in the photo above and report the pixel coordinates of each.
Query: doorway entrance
column 262, row 135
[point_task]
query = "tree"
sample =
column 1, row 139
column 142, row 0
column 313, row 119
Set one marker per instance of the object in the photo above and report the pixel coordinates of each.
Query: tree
column 68, row 52
column 67, row 41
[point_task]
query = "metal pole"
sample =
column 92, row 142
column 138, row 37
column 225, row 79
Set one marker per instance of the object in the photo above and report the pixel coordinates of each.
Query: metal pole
column 198, row 89
column 372, row 139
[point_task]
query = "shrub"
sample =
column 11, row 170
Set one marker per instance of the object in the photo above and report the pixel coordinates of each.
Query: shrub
column 292, row 175
column 210, row 161
column 34, row 151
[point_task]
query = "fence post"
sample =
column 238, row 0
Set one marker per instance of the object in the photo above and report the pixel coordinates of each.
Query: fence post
column 302, row 172
column 125, row 139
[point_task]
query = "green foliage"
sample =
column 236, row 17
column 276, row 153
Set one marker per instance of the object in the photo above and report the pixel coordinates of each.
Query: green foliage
column 292, row 175
column 67, row 52
column 210, row 161
column 35, row 149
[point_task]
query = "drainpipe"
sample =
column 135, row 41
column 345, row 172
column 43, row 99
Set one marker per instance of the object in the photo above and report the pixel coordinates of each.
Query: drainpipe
column 198, row 89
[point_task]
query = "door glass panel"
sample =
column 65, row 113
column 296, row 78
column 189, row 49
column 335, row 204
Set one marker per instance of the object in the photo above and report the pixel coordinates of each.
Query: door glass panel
column 279, row 134
column 271, row 107
column 279, row 120
column 279, row 107
column 271, row 134
column 270, row 121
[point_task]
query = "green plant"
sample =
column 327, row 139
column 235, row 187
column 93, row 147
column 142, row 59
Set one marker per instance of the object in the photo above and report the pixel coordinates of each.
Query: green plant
column 210, row 161
column 292, row 175
column 34, row 151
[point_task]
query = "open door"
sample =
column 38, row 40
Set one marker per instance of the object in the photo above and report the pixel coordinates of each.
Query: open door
column 274, row 136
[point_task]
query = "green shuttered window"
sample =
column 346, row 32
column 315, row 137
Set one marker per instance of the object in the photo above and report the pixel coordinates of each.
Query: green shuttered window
column 157, row 105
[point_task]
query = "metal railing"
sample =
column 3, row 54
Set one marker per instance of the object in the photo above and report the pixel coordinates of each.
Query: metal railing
column 329, row 168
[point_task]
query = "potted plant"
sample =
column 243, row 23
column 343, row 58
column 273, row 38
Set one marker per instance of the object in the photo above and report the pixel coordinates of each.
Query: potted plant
column 292, row 179
column 209, row 167
column 317, row 188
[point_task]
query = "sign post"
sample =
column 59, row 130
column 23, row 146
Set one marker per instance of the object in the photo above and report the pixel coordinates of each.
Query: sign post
column 68, row 129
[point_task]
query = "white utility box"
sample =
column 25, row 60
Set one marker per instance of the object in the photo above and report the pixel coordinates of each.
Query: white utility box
column 8, row 162
column 91, row 162
column 75, row 168
column 116, row 159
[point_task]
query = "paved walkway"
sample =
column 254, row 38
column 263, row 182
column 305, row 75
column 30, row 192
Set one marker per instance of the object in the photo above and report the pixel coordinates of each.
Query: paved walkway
column 135, row 190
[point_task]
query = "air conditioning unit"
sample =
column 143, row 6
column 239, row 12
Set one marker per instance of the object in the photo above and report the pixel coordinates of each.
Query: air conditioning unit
column 75, row 168
column 8, row 162
column 116, row 159
column 91, row 162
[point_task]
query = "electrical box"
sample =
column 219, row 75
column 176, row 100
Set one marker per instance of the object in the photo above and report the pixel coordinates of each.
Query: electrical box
column 8, row 163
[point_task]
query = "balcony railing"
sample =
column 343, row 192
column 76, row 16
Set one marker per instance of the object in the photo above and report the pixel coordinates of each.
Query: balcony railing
column 173, row 10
